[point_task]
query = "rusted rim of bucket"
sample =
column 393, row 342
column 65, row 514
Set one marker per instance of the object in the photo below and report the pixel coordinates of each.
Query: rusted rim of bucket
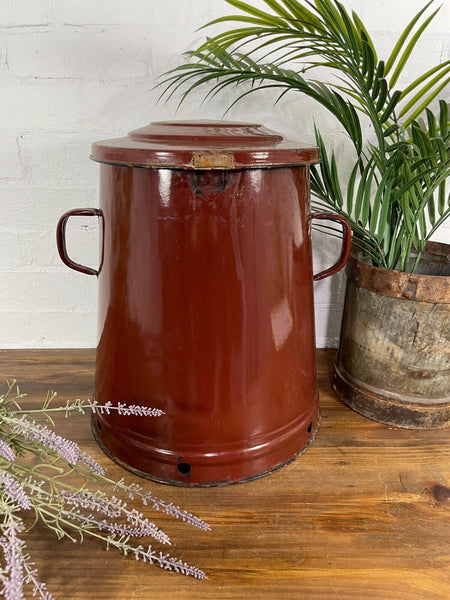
column 388, row 411
column 409, row 286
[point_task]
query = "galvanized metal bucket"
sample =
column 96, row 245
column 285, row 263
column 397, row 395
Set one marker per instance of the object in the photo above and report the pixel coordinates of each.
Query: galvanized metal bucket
column 393, row 362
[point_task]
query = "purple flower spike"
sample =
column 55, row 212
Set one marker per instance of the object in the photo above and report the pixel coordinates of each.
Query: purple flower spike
column 91, row 464
column 67, row 449
column 7, row 452
column 127, row 409
column 13, row 551
column 14, row 490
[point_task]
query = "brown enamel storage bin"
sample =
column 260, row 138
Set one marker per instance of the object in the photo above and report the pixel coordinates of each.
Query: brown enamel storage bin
column 205, row 300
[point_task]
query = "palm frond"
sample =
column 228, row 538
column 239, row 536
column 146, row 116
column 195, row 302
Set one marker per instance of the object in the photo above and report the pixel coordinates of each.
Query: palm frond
column 396, row 192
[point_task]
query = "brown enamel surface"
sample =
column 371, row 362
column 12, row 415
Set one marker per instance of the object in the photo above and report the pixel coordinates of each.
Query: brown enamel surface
column 206, row 299
column 204, row 145
column 206, row 311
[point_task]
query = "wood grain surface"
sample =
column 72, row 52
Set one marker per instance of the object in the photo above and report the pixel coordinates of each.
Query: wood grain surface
column 364, row 514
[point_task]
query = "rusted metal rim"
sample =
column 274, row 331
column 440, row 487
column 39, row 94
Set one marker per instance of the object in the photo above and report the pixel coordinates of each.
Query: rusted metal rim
column 398, row 413
column 410, row 286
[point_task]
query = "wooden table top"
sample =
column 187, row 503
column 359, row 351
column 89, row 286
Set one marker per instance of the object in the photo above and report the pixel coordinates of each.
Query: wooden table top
column 364, row 514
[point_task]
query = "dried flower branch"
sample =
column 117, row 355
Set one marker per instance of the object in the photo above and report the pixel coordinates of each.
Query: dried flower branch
column 46, row 475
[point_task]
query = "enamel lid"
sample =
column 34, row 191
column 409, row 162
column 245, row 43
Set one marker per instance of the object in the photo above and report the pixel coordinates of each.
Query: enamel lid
column 204, row 145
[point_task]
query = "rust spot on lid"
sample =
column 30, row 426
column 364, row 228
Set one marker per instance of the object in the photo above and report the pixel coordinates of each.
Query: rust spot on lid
column 212, row 160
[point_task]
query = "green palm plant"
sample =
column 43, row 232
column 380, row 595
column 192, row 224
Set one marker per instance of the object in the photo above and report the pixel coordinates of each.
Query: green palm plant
column 395, row 196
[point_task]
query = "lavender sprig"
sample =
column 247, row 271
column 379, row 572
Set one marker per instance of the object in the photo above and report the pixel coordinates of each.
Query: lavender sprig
column 66, row 449
column 168, row 508
column 113, row 507
column 19, row 571
column 126, row 409
column 33, row 432
column 82, row 406
column 7, row 452
column 14, row 490
column 43, row 484
column 39, row 587
column 13, row 574
column 151, row 556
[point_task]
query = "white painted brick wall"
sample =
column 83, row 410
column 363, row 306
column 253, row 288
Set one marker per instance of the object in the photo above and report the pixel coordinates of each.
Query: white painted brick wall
column 74, row 71
column 14, row 13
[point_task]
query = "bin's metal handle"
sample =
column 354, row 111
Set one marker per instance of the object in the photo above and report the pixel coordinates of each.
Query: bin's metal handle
column 61, row 238
column 346, row 243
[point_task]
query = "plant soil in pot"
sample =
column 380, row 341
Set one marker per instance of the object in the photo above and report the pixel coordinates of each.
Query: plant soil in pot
column 393, row 362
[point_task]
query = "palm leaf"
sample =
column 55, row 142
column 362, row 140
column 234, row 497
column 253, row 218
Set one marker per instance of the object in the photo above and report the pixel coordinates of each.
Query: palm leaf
column 403, row 37
column 396, row 191
column 381, row 201
column 306, row 17
column 385, row 211
column 369, row 59
column 419, row 96
column 263, row 16
column 443, row 118
column 351, row 188
column 366, row 39
column 409, row 49
column 353, row 35
column 445, row 67
column 278, row 8
column 391, row 105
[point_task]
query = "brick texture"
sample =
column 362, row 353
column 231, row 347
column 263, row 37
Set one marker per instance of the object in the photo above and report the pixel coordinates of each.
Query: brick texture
column 74, row 71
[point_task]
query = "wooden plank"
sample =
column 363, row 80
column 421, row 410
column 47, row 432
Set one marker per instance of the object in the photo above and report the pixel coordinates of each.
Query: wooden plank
column 363, row 514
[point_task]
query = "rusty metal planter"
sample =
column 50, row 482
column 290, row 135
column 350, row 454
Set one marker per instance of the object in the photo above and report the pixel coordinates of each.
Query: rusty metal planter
column 393, row 362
